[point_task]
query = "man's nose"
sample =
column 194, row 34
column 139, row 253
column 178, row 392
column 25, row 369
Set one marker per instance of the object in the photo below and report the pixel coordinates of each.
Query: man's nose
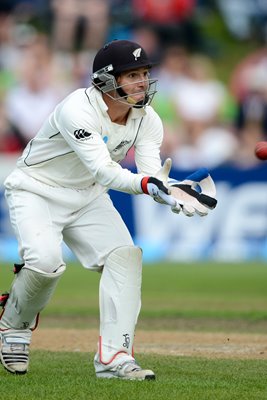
column 142, row 82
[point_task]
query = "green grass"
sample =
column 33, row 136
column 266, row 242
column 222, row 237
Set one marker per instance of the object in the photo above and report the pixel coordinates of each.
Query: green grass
column 211, row 297
column 68, row 376
column 201, row 296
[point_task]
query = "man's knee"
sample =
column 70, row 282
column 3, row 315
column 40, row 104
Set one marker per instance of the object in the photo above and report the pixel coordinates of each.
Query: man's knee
column 46, row 260
column 125, row 261
column 30, row 292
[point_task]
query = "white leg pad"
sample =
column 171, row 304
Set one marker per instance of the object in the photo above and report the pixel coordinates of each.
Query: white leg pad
column 120, row 303
column 30, row 292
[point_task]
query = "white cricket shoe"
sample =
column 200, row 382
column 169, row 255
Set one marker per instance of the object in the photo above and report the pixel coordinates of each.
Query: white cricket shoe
column 127, row 370
column 14, row 350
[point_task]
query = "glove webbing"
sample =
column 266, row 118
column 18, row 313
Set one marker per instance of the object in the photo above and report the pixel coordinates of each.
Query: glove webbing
column 208, row 201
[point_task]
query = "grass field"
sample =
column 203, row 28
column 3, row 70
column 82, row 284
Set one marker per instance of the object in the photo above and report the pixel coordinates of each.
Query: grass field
column 204, row 299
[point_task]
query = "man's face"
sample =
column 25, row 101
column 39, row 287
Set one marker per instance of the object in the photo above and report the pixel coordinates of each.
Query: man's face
column 134, row 83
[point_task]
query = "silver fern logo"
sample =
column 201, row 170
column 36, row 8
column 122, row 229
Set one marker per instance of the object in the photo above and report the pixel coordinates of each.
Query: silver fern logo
column 137, row 53
column 122, row 144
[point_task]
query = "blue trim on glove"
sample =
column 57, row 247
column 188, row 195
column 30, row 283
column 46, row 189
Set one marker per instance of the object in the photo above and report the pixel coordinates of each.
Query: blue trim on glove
column 198, row 175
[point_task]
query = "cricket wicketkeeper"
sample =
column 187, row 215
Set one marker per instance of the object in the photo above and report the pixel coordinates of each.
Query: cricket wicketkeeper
column 59, row 192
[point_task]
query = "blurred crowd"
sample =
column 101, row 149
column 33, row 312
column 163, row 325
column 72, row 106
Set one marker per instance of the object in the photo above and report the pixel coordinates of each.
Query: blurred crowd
column 47, row 49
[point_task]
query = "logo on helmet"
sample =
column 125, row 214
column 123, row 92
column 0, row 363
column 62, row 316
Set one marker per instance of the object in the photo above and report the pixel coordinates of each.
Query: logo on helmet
column 137, row 53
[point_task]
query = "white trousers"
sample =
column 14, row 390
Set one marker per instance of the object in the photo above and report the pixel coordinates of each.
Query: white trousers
column 86, row 220
column 44, row 216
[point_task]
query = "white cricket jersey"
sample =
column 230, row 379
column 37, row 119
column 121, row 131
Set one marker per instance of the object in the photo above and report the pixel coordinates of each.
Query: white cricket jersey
column 78, row 145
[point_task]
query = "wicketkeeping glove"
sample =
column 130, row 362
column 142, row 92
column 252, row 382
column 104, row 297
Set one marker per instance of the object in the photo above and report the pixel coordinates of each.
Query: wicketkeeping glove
column 156, row 189
column 195, row 194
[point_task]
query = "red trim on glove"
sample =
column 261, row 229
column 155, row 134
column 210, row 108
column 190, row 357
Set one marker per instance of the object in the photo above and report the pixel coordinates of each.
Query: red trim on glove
column 144, row 184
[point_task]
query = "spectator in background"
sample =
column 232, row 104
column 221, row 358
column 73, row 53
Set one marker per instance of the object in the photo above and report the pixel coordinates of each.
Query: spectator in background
column 10, row 49
column 79, row 23
column 199, row 96
column 200, row 101
column 245, row 18
column 249, row 87
column 172, row 70
column 36, row 93
column 253, row 107
column 251, row 121
column 172, row 20
column 240, row 76
column 9, row 142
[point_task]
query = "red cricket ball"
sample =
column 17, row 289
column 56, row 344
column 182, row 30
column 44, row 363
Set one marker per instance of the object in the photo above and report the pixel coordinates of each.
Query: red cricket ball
column 261, row 150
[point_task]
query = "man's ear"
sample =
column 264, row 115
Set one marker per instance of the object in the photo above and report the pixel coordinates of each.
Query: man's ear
column 117, row 77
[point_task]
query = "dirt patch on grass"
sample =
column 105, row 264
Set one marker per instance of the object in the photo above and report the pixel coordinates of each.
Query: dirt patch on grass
column 208, row 345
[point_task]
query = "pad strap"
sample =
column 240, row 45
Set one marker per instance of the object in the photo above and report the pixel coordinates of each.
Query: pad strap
column 208, row 201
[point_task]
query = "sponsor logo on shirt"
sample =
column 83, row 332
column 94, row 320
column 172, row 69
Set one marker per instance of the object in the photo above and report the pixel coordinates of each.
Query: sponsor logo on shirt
column 122, row 144
column 82, row 134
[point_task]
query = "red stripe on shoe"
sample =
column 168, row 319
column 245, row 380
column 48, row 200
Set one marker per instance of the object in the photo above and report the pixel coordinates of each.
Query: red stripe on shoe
column 100, row 353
